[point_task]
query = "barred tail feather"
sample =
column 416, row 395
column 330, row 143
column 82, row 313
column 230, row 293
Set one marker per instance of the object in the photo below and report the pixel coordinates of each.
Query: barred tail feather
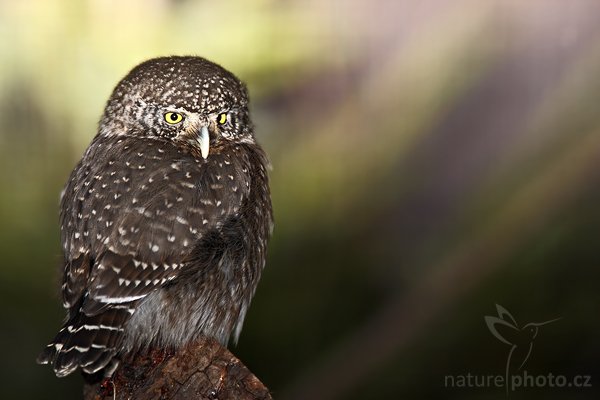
column 86, row 342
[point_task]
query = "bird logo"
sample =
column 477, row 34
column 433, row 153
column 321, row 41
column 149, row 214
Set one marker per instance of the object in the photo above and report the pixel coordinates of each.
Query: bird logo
column 505, row 328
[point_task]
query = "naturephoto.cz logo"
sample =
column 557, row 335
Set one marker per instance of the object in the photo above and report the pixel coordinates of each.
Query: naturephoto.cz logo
column 520, row 339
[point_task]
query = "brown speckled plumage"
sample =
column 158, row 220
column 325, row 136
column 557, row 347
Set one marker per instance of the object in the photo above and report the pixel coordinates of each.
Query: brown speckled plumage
column 162, row 242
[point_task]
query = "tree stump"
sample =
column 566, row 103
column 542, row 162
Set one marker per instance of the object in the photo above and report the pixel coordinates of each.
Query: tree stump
column 202, row 370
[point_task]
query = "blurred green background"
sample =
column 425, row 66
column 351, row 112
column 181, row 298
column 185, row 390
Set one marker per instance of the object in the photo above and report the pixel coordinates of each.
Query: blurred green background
column 431, row 159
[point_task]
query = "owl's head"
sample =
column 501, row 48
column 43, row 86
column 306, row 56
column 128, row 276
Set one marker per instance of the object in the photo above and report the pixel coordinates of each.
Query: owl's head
column 189, row 101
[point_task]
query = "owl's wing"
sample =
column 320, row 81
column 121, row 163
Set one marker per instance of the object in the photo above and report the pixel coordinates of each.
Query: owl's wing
column 157, row 223
column 75, row 276
column 120, row 279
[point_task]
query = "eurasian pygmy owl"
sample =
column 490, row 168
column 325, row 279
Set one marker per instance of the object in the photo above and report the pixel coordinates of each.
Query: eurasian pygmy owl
column 165, row 220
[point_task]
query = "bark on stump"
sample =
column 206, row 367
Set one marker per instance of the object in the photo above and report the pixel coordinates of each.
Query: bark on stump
column 202, row 370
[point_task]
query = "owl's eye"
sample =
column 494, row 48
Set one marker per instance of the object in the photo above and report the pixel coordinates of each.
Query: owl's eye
column 222, row 118
column 173, row 118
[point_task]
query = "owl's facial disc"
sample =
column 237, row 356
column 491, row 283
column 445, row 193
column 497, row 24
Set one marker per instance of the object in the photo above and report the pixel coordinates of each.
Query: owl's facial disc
column 196, row 133
column 207, row 133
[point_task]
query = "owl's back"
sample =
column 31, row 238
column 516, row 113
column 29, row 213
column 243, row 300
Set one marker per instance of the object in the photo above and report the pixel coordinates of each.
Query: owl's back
column 160, row 246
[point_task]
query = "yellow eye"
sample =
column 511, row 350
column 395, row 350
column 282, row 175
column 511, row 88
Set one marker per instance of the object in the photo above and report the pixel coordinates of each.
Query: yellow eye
column 173, row 118
column 222, row 118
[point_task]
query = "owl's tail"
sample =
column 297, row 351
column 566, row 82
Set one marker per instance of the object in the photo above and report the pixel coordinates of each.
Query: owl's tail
column 86, row 342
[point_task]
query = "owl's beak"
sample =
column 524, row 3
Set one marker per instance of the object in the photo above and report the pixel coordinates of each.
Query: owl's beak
column 204, row 141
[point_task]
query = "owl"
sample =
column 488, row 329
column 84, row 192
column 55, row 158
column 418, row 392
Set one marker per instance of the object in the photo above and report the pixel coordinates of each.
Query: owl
column 164, row 221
